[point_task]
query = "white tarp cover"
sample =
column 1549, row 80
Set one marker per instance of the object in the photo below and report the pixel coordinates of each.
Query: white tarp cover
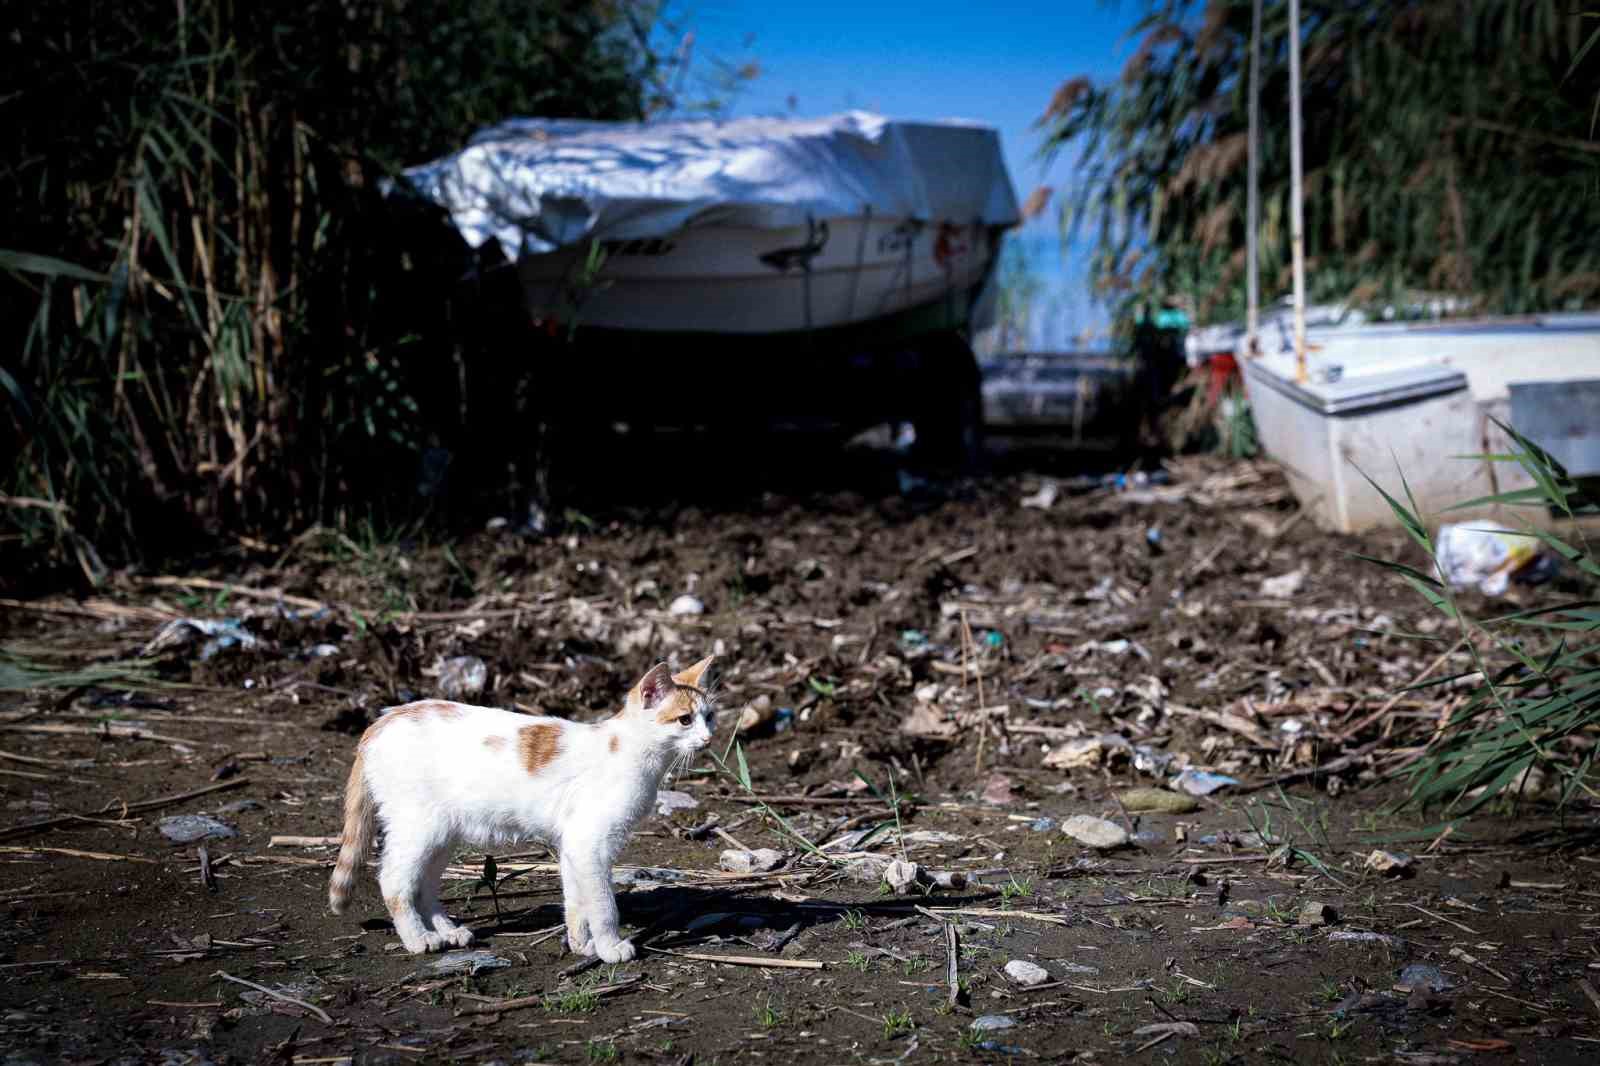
column 536, row 185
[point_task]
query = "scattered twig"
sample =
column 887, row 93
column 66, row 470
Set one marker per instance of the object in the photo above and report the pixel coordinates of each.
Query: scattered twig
column 275, row 595
column 500, row 1006
column 318, row 1011
column 207, row 878
column 741, row 960
column 1588, row 990
column 1441, row 918
column 73, row 853
column 302, row 842
column 1350, row 731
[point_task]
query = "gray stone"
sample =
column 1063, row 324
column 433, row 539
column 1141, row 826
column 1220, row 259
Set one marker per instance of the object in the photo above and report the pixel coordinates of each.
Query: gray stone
column 738, row 861
column 668, row 801
column 1095, row 832
column 462, row 677
column 1026, row 974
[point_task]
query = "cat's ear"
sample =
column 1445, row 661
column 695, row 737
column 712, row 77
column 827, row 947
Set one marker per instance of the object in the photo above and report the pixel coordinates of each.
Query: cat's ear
column 653, row 687
column 693, row 675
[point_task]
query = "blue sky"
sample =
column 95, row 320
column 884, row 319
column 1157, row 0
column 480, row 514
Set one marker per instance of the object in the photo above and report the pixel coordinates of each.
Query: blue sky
column 996, row 62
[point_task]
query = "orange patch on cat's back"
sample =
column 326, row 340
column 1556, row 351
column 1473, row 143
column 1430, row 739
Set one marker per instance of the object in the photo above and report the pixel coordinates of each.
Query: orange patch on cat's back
column 613, row 744
column 416, row 712
column 494, row 743
column 538, row 746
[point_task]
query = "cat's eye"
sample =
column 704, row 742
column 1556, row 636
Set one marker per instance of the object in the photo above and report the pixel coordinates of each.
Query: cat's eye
column 685, row 719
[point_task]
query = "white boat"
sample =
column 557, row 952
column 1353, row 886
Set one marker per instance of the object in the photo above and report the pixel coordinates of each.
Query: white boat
column 1419, row 400
column 752, row 226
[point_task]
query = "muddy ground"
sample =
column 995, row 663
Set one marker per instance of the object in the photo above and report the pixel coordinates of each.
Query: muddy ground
column 943, row 654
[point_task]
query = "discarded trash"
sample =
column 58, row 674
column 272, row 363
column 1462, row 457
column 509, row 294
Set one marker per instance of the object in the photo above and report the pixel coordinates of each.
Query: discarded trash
column 952, row 879
column 464, row 962
column 668, row 801
column 1157, row 799
column 1095, row 832
column 1284, row 586
column 1483, row 554
column 1026, row 974
column 1147, row 838
column 1042, row 825
column 758, row 714
column 1392, row 863
column 1045, row 498
column 1152, row 538
column 1420, row 975
column 901, row 876
column 686, row 605
column 220, row 634
column 913, row 638
column 993, row 639
column 1202, row 782
column 1314, row 912
column 783, row 720
column 759, row 861
column 997, row 790
column 187, row 828
column 322, row 651
column 1087, row 753
column 462, row 677
column 988, row 1023
column 869, row 869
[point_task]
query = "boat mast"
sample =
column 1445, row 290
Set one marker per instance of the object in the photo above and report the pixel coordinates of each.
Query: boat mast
column 1252, row 208
column 1297, row 235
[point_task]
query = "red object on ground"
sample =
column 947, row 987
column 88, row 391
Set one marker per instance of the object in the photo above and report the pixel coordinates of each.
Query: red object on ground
column 1224, row 368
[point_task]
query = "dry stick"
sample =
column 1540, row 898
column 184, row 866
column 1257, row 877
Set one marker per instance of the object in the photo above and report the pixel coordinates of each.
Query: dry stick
column 1398, row 696
column 1588, row 990
column 128, row 808
column 741, row 960
column 729, row 837
column 302, row 842
column 806, row 801
column 952, row 951
column 73, row 853
column 318, row 1011
column 1439, row 917
column 276, row 595
column 107, row 729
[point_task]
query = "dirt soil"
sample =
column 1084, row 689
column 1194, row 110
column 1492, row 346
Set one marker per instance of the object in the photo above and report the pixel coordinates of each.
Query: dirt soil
column 941, row 676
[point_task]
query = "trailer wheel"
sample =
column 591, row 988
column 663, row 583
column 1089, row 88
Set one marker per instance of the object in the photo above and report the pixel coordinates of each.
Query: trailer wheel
column 950, row 420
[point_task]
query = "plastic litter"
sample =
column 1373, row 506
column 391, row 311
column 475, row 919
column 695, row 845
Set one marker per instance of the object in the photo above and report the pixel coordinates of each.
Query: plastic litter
column 187, row 828
column 1487, row 555
column 1421, row 975
column 1201, row 782
column 219, row 633
column 668, row 801
column 462, row 677
column 466, row 962
column 686, row 605
column 988, row 1023
column 1027, row 974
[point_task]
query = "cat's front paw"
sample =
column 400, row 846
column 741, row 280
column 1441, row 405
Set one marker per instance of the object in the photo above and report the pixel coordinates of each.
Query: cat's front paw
column 581, row 947
column 616, row 951
column 459, row 937
column 423, row 943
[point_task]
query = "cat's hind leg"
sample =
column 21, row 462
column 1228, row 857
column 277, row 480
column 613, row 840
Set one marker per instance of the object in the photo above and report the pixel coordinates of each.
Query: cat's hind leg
column 432, row 909
column 401, row 873
column 572, row 899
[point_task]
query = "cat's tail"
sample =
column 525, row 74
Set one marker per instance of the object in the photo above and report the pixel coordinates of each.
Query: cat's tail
column 357, row 838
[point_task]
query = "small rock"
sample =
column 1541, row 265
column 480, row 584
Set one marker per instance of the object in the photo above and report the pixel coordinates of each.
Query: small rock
column 1095, row 832
column 686, row 605
column 1315, row 912
column 927, row 721
column 1158, row 800
column 901, row 875
column 1026, row 974
column 668, row 801
column 464, row 962
column 1283, row 586
column 997, row 790
column 187, row 828
column 1201, row 783
column 1389, row 862
column 988, row 1023
column 462, row 677
column 1419, row 975
column 758, row 861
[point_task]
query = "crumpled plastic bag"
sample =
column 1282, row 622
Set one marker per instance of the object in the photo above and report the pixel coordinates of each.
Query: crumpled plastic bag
column 1485, row 555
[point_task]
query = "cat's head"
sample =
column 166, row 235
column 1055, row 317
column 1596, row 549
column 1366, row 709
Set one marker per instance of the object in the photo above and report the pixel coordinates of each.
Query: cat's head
column 679, row 709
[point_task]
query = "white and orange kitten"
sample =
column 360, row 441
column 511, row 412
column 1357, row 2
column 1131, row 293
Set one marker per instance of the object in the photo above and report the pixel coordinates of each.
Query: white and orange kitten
column 439, row 775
